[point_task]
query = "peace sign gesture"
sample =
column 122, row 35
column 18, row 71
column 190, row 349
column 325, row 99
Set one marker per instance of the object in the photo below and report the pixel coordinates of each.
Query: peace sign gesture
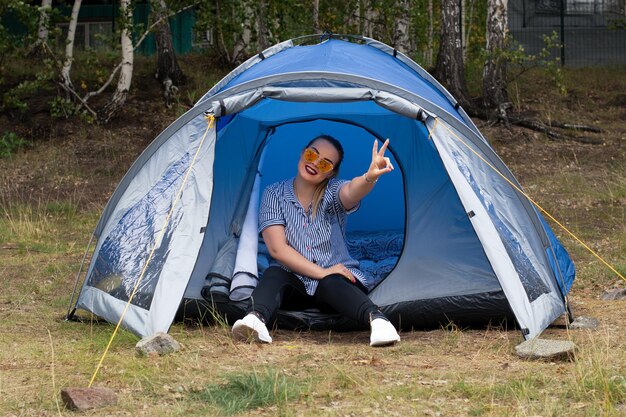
column 380, row 163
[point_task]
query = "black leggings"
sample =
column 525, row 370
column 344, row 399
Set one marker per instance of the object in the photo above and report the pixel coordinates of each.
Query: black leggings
column 280, row 288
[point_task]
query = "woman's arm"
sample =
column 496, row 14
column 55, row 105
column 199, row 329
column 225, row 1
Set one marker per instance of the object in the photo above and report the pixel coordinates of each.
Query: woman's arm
column 354, row 191
column 279, row 249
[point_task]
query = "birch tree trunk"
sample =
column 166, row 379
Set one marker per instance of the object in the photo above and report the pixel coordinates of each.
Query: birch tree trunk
column 449, row 68
column 242, row 41
column 370, row 14
column 168, row 72
column 126, row 72
column 69, row 45
column 44, row 20
column 468, row 25
column 494, row 71
column 402, row 38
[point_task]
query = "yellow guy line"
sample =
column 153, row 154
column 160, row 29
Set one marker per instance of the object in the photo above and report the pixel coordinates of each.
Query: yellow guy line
column 210, row 120
column 531, row 200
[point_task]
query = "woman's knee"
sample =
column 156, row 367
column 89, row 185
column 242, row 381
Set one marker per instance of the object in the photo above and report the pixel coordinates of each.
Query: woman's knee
column 335, row 284
column 337, row 280
column 332, row 281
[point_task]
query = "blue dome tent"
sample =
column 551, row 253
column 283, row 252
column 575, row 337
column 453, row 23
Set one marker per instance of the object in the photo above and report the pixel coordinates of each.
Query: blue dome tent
column 446, row 236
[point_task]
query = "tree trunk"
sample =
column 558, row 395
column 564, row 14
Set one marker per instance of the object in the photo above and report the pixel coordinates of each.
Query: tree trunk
column 242, row 41
column 431, row 35
column 494, row 71
column 220, row 32
column 261, row 25
column 462, row 20
column 449, row 68
column 316, row 16
column 468, row 25
column 69, row 45
column 168, row 71
column 126, row 72
column 369, row 19
column 44, row 20
column 358, row 15
column 402, row 38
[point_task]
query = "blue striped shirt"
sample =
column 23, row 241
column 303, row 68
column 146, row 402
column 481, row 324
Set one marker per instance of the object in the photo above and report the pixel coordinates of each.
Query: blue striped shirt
column 320, row 240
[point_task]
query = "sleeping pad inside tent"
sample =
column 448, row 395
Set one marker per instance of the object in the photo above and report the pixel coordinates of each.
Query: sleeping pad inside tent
column 446, row 236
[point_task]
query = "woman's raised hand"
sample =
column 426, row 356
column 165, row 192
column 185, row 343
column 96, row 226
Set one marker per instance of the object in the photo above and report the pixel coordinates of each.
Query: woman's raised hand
column 341, row 270
column 380, row 163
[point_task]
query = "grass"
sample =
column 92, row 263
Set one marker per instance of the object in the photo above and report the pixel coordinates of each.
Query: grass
column 245, row 391
column 51, row 195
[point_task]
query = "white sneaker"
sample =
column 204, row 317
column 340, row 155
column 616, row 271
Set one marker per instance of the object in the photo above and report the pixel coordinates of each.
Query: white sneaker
column 251, row 328
column 383, row 333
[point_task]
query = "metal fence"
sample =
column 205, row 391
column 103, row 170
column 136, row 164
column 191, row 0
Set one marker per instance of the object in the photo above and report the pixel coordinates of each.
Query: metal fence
column 591, row 32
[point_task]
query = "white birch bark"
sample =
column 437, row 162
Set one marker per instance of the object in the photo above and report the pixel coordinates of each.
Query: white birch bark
column 494, row 71
column 468, row 26
column 402, row 39
column 242, row 41
column 370, row 15
column 44, row 19
column 69, row 45
column 126, row 70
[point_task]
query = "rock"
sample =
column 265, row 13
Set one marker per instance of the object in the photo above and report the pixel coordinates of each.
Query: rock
column 585, row 323
column 88, row 398
column 545, row 349
column 615, row 294
column 159, row 343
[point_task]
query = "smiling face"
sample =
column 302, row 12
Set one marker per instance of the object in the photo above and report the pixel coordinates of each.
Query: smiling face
column 309, row 171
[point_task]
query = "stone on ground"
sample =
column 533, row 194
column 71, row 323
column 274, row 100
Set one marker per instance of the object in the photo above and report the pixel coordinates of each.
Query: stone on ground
column 585, row 323
column 159, row 343
column 545, row 349
column 82, row 399
column 615, row 294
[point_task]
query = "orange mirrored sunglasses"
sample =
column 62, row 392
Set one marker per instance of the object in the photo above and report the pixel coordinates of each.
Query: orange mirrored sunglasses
column 324, row 165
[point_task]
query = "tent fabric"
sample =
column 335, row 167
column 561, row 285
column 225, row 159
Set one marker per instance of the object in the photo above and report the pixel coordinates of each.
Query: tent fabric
column 504, row 238
column 467, row 244
column 131, row 234
column 338, row 57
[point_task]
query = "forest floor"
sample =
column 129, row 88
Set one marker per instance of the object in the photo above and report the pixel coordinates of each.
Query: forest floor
column 53, row 191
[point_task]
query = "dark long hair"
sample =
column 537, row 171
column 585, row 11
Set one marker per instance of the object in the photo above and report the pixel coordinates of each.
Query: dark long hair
column 319, row 191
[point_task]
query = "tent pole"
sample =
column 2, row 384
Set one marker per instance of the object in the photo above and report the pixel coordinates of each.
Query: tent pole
column 70, row 311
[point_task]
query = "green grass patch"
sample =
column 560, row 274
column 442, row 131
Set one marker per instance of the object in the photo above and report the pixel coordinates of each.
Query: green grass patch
column 66, row 209
column 247, row 391
column 10, row 143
